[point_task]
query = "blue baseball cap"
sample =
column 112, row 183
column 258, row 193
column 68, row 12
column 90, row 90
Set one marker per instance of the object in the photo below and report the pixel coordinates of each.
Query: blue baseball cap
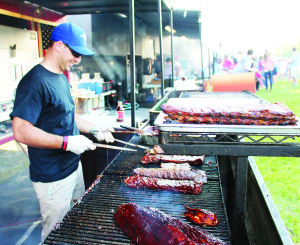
column 73, row 36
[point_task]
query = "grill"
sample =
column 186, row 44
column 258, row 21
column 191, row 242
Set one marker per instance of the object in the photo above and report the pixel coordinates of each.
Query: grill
column 91, row 221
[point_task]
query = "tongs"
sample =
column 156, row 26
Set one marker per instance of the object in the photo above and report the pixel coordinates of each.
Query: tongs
column 135, row 145
column 140, row 131
column 113, row 147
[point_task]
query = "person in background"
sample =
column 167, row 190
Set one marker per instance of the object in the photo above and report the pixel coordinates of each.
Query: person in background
column 234, row 63
column 168, row 73
column 177, row 68
column 246, row 64
column 157, row 66
column 294, row 66
column 259, row 65
column 44, row 119
column 226, row 63
column 282, row 69
column 275, row 69
column 268, row 66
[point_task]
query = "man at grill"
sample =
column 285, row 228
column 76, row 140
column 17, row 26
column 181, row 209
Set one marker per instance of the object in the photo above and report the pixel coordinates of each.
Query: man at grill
column 44, row 119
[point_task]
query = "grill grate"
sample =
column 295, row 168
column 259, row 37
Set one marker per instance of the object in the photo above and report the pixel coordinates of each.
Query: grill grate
column 126, row 162
column 91, row 221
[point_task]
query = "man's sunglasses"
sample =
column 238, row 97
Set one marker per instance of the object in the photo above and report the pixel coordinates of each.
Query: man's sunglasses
column 74, row 53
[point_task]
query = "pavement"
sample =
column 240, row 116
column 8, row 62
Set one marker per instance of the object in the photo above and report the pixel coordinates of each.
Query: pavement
column 20, row 219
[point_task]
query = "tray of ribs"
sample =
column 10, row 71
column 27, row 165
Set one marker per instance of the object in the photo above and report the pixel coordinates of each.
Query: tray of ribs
column 267, row 118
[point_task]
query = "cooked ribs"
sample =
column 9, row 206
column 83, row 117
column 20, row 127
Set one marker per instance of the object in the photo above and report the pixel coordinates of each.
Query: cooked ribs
column 262, row 114
column 150, row 226
column 185, row 166
column 202, row 217
column 173, row 173
column 182, row 186
column 159, row 158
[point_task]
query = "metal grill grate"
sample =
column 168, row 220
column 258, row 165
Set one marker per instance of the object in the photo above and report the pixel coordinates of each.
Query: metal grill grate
column 91, row 221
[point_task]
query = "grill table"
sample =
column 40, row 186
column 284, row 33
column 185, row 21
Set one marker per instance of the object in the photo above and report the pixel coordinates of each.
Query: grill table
column 91, row 221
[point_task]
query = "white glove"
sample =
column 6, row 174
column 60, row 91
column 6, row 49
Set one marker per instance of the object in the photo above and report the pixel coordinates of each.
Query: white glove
column 79, row 143
column 103, row 133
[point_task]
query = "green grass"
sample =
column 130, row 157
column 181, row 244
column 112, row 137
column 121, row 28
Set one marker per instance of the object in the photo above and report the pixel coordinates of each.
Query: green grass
column 282, row 174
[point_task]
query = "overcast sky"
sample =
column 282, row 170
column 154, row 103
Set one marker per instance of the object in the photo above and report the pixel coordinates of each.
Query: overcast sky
column 241, row 24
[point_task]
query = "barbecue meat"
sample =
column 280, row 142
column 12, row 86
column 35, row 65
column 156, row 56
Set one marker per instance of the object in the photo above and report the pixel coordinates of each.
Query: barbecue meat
column 150, row 226
column 185, row 166
column 158, row 158
column 201, row 216
column 182, row 186
column 262, row 114
column 173, row 173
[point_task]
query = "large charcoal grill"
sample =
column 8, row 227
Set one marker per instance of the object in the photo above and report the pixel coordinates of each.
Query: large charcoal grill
column 91, row 221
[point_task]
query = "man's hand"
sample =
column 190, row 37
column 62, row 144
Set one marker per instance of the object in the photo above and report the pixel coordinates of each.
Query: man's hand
column 103, row 133
column 79, row 143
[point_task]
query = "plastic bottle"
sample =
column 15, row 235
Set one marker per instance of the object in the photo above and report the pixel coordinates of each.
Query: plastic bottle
column 120, row 112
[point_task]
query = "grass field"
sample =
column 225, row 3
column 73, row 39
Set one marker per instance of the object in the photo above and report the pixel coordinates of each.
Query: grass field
column 282, row 174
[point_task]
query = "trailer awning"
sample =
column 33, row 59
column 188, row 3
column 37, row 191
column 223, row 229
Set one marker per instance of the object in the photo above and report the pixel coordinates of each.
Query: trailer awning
column 184, row 22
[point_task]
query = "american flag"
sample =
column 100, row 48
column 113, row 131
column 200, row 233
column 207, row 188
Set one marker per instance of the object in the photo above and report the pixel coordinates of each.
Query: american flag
column 46, row 34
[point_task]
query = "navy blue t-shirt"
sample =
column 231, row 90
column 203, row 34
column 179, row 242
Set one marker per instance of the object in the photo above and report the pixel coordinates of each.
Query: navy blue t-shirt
column 44, row 99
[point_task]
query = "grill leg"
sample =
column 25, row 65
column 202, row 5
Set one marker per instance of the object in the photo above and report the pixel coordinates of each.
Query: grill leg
column 238, row 229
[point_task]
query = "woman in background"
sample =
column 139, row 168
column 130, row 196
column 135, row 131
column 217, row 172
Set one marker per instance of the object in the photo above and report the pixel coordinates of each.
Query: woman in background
column 267, row 65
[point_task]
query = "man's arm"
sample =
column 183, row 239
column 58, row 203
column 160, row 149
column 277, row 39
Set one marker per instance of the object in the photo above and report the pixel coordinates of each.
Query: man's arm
column 83, row 125
column 101, row 132
column 30, row 135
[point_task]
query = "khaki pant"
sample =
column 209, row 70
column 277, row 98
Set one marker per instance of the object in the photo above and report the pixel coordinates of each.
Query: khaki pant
column 56, row 198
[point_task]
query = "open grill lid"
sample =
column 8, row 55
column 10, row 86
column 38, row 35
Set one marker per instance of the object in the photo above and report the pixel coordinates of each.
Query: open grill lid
column 91, row 221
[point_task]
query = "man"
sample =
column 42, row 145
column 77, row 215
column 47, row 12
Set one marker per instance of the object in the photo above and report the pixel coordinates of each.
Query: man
column 246, row 64
column 177, row 68
column 168, row 73
column 157, row 66
column 294, row 65
column 44, row 119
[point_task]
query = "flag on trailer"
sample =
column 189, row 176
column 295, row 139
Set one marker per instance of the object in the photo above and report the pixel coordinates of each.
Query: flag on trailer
column 46, row 34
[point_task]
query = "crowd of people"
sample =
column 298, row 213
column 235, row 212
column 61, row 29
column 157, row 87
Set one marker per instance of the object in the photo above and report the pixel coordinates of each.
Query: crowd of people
column 267, row 68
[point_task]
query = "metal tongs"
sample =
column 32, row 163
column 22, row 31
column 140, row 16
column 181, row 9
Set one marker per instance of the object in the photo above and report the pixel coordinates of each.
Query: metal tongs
column 137, row 130
column 131, row 144
column 113, row 147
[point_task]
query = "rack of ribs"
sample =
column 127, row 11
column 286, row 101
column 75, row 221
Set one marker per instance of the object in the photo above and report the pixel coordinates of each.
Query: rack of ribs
column 150, row 226
column 182, row 186
column 202, row 217
column 173, row 173
column 261, row 114
column 160, row 158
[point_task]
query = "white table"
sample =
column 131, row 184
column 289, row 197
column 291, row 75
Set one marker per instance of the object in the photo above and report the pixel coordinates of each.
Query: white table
column 98, row 100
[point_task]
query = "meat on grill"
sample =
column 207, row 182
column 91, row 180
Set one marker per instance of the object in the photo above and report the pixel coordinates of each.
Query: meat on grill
column 202, row 217
column 262, row 114
column 173, row 173
column 150, row 226
column 185, row 166
column 182, row 186
column 159, row 158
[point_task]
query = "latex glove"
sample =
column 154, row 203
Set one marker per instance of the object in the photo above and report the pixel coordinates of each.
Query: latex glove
column 79, row 143
column 103, row 133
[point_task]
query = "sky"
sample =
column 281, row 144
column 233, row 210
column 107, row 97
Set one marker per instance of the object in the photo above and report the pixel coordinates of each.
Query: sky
column 240, row 25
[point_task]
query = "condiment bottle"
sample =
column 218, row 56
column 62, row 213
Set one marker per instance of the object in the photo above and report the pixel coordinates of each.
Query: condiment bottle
column 120, row 112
